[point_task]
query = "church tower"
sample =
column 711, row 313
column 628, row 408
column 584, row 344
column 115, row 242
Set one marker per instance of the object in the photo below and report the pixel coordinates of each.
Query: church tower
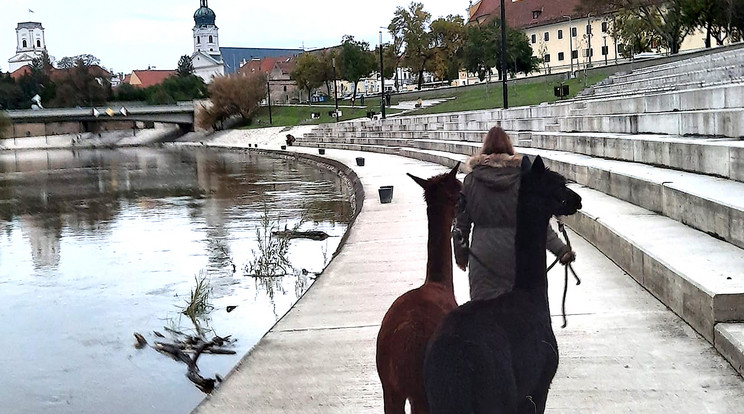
column 207, row 58
column 30, row 44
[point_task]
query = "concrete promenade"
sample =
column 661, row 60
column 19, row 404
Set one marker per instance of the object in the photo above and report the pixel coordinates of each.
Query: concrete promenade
column 623, row 351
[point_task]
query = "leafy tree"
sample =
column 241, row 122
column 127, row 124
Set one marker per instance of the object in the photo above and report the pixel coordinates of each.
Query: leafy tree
column 185, row 66
column 325, row 59
column 157, row 95
column 128, row 92
column 482, row 51
column 185, row 88
column 447, row 38
column 665, row 18
column 235, row 96
column 308, row 72
column 719, row 18
column 10, row 93
column 355, row 61
column 84, row 84
column 410, row 26
column 38, row 81
column 635, row 35
column 69, row 62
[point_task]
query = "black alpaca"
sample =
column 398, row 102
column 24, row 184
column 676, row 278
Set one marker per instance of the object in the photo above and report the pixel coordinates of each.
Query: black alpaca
column 500, row 355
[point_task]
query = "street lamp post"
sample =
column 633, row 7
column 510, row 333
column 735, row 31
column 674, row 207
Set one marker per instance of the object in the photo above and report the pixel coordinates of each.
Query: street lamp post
column 589, row 37
column 382, row 82
column 335, row 88
column 605, row 51
column 570, row 45
column 268, row 99
column 503, row 56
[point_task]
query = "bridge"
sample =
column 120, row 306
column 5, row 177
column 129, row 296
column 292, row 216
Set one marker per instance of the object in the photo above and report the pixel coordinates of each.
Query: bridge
column 58, row 121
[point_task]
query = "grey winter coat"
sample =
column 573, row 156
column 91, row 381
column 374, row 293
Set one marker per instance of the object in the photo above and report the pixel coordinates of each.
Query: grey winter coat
column 488, row 202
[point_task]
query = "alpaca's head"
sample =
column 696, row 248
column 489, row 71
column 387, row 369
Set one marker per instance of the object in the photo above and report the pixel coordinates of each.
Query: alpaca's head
column 545, row 191
column 441, row 190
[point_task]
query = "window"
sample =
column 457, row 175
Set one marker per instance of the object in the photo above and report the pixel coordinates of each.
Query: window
column 574, row 54
column 211, row 40
column 546, row 36
column 560, row 34
column 573, row 32
column 536, row 14
column 534, row 39
column 38, row 43
column 198, row 40
column 605, row 50
column 604, row 27
column 546, row 58
column 285, row 88
column 25, row 43
column 561, row 56
column 588, row 52
column 588, row 29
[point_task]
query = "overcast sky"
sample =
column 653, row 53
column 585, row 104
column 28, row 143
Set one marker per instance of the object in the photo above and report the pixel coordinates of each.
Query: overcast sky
column 133, row 34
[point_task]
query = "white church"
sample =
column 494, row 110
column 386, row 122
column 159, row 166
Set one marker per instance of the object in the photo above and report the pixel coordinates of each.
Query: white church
column 207, row 58
column 30, row 44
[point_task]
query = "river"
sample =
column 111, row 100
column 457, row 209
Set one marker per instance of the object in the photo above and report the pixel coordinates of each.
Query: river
column 96, row 245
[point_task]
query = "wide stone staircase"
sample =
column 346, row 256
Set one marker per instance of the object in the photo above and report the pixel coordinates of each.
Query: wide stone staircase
column 657, row 156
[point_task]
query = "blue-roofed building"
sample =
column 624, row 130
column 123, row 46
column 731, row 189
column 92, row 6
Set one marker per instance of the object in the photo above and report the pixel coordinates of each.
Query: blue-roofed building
column 235, row 57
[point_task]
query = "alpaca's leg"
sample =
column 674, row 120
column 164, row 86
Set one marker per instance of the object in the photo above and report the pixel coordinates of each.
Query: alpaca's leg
column 419, row 405
column 395, row 403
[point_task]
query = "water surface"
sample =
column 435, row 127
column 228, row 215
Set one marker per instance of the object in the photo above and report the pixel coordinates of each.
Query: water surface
column 97, row 245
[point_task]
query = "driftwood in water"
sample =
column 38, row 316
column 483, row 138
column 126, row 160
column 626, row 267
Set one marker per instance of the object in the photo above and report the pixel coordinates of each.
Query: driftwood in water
column 181, row 350
column 293, row 234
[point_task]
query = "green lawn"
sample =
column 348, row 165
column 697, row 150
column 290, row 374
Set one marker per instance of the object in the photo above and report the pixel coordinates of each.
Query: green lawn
column 490, row 96
column 484, row 96
column 301, row 115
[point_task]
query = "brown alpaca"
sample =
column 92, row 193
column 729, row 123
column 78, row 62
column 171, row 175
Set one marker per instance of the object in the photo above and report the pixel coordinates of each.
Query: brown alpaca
column 414, row 316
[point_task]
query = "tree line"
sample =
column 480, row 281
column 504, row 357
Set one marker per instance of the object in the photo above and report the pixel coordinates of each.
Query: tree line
column 641, row 25
column 81, row 81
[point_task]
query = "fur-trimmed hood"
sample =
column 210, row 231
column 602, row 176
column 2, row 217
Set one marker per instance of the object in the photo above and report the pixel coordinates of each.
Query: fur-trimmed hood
column 493, row 160
column 498, row 171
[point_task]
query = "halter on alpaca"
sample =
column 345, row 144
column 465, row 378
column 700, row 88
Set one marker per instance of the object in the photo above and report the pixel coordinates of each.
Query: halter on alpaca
column 413, row 317
column 500, row 355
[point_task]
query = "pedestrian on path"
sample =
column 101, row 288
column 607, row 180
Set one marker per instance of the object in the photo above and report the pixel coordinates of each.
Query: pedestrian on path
column 488, row 204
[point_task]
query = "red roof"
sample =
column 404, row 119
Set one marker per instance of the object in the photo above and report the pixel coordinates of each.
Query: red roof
column 522, row 14
column 55, row 73
column 149, row 78
column 23, row 70
column 266, row 65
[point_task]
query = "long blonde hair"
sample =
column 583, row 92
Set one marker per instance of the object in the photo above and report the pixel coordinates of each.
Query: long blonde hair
column 497, row 142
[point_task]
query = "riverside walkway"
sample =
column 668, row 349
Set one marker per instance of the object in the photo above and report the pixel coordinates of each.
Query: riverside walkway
column 623, row 351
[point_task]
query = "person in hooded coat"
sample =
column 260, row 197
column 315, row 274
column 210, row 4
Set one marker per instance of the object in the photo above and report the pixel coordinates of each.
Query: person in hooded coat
column 488, row 203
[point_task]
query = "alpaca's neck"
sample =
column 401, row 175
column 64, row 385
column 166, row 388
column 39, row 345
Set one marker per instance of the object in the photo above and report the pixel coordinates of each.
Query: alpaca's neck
column 439, row 246
column 530, row 245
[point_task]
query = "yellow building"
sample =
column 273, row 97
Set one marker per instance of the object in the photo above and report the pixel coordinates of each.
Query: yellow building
column 564, row 38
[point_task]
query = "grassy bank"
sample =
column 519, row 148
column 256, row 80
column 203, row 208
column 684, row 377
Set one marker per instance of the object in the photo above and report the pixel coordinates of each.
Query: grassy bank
column 490, row 96
column 301, row 114
column 528, row 91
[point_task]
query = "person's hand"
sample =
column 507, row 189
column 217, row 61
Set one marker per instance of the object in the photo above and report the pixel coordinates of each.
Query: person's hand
column 568, row 257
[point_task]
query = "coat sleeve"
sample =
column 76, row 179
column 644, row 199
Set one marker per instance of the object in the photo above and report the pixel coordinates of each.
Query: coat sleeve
column 461, row 232
column 555, row 244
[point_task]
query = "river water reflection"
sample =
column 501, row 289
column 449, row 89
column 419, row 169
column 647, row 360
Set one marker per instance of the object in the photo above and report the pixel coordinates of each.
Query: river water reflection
column 97, row 245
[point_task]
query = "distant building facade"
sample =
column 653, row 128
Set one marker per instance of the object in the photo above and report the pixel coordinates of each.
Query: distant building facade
column 564, row 38
column 30, row 44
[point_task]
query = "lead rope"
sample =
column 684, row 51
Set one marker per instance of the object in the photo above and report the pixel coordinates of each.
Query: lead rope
column 562, row 229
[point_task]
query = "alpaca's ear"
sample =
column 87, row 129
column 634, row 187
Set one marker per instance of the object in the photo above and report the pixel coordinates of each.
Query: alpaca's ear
column 538, row 166
column 453, row 173
column 419, row 181
column 526, row 164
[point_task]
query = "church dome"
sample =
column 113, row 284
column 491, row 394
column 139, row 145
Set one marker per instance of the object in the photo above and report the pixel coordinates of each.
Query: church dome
column 204, row 16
